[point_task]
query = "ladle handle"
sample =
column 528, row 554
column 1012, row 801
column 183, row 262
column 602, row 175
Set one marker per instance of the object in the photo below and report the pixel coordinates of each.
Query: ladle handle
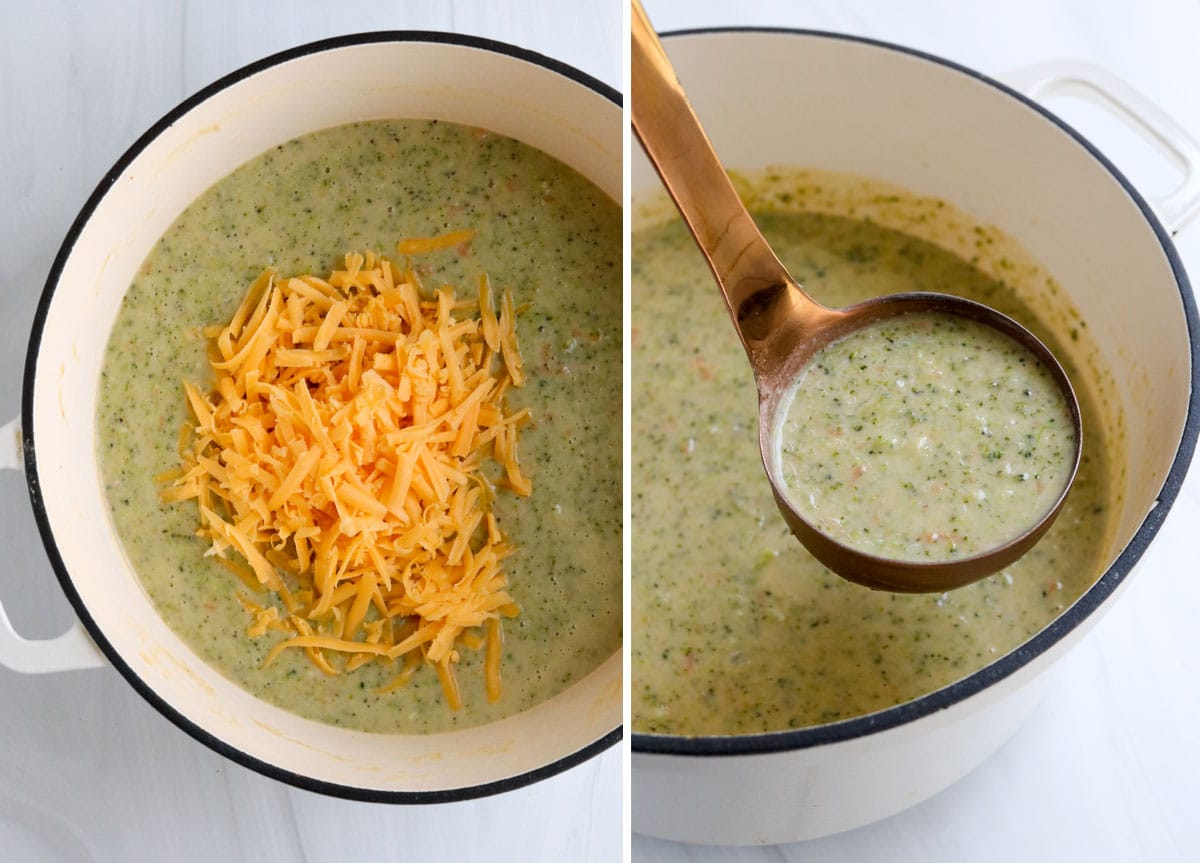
column 749, row 274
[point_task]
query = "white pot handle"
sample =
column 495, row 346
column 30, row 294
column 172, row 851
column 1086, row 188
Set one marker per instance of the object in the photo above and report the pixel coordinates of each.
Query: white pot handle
column 1101, row 87
column 70, row 651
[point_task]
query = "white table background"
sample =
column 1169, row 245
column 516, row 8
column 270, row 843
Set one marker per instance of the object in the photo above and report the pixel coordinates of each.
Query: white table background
column 1108, row 768
column 88, row 770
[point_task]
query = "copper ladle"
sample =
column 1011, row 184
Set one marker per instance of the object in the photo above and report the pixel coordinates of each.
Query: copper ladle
column 781, row 327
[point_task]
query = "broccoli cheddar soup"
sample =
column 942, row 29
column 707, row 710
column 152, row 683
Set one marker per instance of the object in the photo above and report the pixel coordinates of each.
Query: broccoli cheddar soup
column 925, row 437
column 373, row 426
column 736, row 628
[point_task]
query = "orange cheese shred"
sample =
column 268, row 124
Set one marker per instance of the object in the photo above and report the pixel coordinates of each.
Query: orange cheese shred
column 339, row 465
column 420, row 245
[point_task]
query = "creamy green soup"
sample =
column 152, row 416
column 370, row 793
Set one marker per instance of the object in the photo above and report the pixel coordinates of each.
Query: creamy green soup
column 925, row 437
column 544, row 233
column 736, row 629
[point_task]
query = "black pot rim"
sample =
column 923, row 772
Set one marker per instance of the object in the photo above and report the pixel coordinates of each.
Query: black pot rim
column 1089, row 602
column 193, row 729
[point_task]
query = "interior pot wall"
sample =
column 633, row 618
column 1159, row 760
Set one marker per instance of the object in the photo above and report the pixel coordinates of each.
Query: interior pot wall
column 358, row 82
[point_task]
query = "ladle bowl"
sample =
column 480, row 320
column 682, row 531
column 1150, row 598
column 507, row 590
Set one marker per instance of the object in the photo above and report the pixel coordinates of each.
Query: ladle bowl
column 775, row 382
column 781, row 327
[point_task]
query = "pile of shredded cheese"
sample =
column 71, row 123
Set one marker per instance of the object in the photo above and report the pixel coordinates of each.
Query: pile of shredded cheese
column 340, row 460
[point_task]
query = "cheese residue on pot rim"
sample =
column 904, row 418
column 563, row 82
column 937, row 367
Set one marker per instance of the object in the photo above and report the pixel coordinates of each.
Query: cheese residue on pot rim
column 341, row 458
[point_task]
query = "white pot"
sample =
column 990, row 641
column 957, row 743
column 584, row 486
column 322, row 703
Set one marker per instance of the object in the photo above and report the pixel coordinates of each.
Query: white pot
column 846, row 104
column 419, row 75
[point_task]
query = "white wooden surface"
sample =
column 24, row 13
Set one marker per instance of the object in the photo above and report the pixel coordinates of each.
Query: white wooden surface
column 88, row 770
column 1108, row 769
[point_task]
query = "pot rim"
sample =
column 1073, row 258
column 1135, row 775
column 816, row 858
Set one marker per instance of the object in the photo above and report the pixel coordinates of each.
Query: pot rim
column 1091, row 600
column 163, row 706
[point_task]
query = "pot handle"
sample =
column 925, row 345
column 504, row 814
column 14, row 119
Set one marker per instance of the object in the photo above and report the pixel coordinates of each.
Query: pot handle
column 1102, row 88
column 68, row 652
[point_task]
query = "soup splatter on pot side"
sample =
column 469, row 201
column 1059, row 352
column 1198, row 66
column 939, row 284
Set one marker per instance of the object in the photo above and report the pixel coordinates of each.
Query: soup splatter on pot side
column 736, row 629
column 542, row 230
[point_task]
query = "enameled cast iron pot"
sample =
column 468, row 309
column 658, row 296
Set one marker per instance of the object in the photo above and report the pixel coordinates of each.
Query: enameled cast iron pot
column 383, row 75
column 881, row 111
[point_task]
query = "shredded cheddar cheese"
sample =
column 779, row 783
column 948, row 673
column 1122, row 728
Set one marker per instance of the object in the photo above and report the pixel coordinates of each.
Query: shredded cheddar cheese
column 338, row 465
